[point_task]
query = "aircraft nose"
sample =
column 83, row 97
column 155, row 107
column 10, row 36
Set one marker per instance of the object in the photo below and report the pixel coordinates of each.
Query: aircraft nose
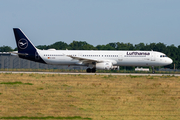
column 170, row 61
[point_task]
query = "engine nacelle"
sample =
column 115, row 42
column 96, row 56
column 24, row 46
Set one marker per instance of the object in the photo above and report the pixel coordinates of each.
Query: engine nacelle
column 104, row 66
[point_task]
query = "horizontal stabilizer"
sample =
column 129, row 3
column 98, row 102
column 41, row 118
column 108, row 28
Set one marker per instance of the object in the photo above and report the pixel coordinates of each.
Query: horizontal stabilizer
column 24, row 54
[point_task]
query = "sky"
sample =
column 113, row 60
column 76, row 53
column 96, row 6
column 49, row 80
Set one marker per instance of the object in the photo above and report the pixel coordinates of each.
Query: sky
column 98, row 22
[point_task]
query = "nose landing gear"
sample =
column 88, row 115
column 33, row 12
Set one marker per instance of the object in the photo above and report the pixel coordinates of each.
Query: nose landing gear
column 89, row 70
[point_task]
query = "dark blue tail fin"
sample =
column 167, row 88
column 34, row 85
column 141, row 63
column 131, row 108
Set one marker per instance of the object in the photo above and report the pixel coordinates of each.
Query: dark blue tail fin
column 24, row 45
column 26, row 49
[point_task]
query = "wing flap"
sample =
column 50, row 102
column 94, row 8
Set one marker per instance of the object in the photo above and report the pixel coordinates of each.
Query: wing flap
column 85, row 60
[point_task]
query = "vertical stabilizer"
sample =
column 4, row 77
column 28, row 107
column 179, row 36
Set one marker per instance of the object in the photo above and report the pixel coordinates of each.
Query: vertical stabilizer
column 26, row 49
column 24, row 45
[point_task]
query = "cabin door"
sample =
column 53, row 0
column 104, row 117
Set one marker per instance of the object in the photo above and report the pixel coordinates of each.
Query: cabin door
column 120, row 57
column 153, row 56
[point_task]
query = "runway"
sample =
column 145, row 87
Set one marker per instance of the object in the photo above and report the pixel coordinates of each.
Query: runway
column 72, row 73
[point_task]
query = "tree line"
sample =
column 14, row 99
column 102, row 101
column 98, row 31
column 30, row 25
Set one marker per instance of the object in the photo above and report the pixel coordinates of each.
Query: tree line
column 171, row 51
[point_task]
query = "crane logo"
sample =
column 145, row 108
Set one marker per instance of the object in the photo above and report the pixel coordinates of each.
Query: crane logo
column 23, row 43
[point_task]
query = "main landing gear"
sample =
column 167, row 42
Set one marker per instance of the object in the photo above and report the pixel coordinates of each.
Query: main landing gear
column 89, row 70
column 153, row 71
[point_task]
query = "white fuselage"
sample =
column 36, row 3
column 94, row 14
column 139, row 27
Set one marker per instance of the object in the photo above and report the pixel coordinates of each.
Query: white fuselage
column 117, row 58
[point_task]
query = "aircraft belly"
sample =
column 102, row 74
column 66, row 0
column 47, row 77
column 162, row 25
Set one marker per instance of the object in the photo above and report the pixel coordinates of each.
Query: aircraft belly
column 140, row 63
column 135, row 62
column 61, row 61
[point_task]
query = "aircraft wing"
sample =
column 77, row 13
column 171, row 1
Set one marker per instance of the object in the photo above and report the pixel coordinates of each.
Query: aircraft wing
column 85, row 60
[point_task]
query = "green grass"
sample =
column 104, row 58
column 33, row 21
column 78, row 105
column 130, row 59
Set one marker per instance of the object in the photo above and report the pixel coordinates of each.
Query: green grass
column 40, row 88
column 134, row 76
column 13, row 83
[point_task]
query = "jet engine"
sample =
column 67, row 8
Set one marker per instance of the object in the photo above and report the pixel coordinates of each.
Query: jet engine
column 104, row 66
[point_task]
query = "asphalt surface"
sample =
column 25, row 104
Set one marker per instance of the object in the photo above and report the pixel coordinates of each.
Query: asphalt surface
column 70, row 73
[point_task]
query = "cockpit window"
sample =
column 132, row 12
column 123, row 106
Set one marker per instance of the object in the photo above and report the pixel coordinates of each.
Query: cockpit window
column 163, row 56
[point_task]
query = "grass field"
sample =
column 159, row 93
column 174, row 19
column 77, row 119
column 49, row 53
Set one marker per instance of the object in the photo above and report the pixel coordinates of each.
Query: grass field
column 96, row 97
column 84, row 71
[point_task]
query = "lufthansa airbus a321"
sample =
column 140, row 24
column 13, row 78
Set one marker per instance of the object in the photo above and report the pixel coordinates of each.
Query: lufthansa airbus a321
column 93, row 59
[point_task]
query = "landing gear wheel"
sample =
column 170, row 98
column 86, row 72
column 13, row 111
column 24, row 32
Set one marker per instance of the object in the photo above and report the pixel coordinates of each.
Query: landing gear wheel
column 88, row 70
column 93, row 70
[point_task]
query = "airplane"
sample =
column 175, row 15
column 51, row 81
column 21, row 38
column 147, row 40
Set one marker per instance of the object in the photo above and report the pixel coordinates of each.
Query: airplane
column 92, row 59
